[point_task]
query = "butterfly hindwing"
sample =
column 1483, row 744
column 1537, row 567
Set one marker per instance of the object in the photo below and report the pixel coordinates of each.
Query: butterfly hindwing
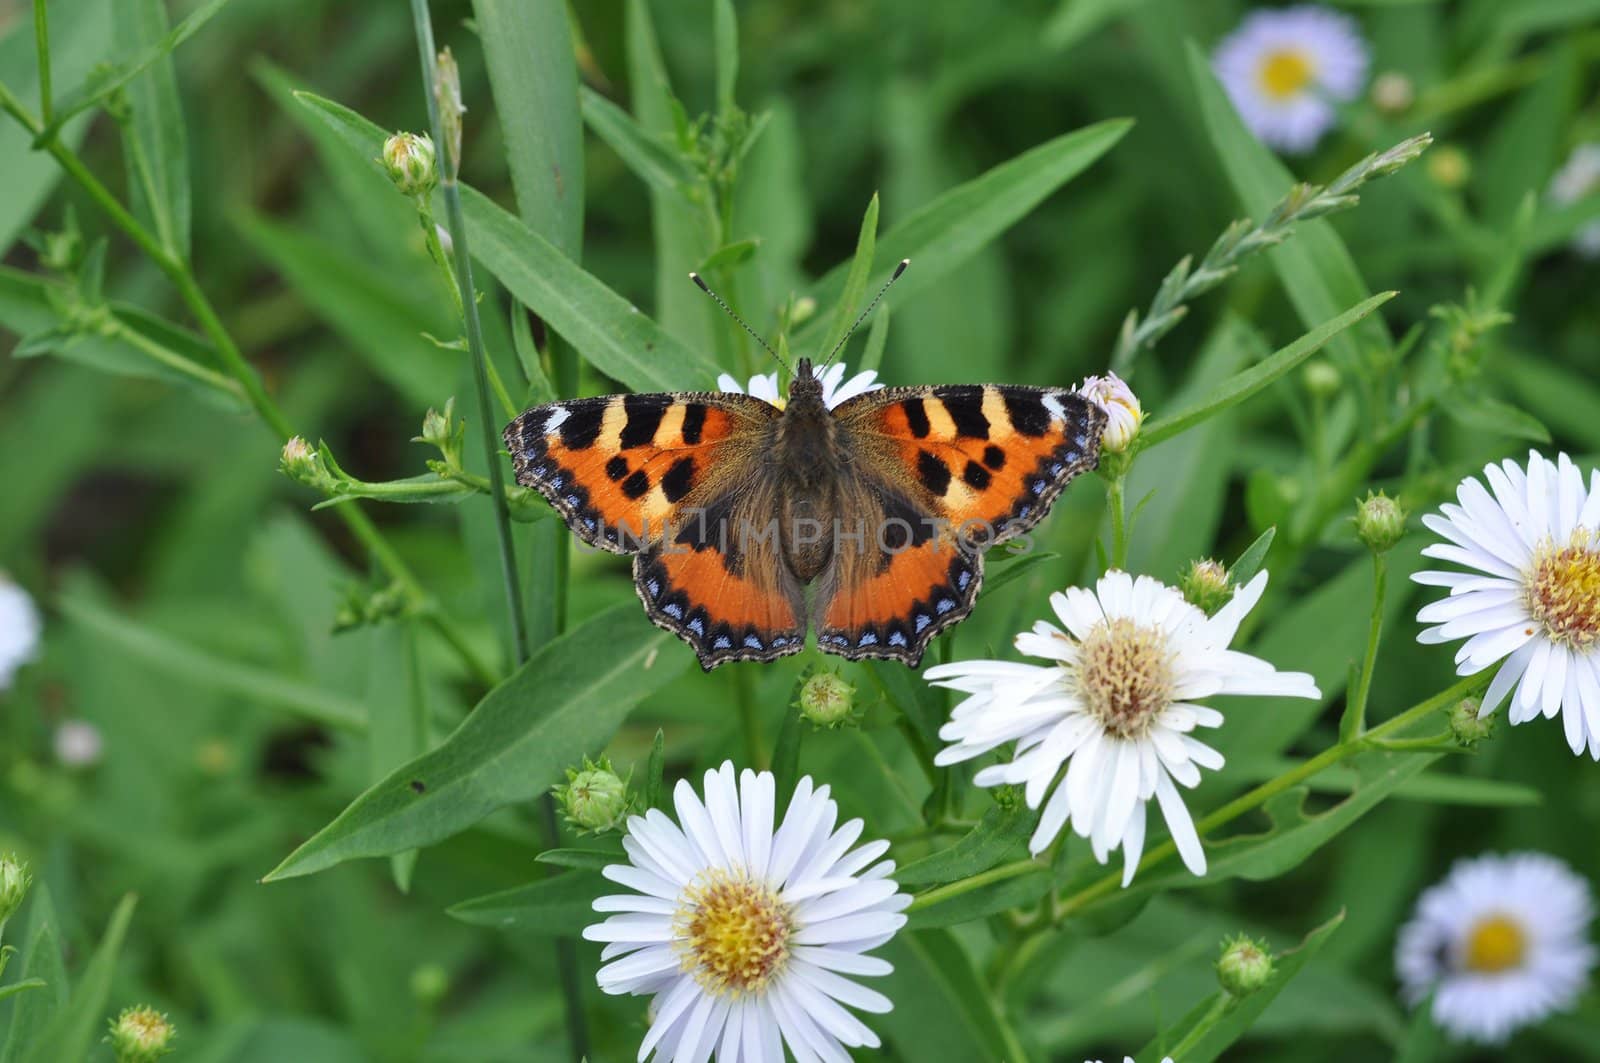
column 621, row 469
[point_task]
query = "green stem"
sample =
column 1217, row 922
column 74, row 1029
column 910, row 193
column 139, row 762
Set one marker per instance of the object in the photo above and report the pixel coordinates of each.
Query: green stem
column 1355, row 716
column 41, row 37
column 755, row 748
column 1200, row 1029
column 175, row 361
column 1119, row 522
column 359, row 524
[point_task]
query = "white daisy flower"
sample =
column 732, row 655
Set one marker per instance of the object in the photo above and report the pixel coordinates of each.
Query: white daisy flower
column 1533, row 601
column 1117, row 709
column 19, row 630
column 1124, row 415
column 1578, row 177
column 742, row 935
column 1285, row 69
column 1502, row 942
column 1127, row 1059
column 835, row 388
column 78, row 744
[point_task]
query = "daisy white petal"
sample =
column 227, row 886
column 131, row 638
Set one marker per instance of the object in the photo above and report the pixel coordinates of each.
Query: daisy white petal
column 835, row 388
column 19, row 630
column 1500, row 943
column 748, row 937
column 1103, row 732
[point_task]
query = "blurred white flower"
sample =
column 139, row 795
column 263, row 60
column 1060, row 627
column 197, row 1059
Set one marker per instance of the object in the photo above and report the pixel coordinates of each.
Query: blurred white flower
column 1501, row 942
column 1534, row 600
column 1124, row 415
column 1286, row 69
column 1116, row 708
column 835, row 389
column 1127, row 1059
column 1578, row 177
column 743, row 936
column 78, row 744
column 19, row 630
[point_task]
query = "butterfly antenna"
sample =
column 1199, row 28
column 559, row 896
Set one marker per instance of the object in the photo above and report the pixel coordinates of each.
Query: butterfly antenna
column 901, row 268
column 703, row 286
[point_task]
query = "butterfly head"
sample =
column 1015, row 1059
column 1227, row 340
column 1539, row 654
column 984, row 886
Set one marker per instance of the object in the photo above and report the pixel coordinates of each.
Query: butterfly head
column 805, row 384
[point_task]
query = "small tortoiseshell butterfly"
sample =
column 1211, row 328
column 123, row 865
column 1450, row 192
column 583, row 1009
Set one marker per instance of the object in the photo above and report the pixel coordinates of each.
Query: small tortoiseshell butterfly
column 733, row 507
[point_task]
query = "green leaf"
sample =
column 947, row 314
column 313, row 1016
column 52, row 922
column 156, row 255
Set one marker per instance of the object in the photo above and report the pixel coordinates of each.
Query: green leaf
column 534, row 75
column 584, row 859
column 41, row 958
column 1315, row 267
column 945, row 233
column 1254, row 556
column 647, row 156
column 1215, row 1024
column 1484, row 414
column 378, row 316
column 942, row 1009
column 1569, row 400
column 101, row 83
column 605, row 328
column 73, row 1029
column 1432, row 788
column 786, row 750
column 729, row 255
column 1522, row 150
column 397, row 715
column 855, row 282
column 725, row 38
column 567, row 700
column 1424, row 1039
column 77, row 44
column 1248, row 382
column 167, row 654
column 551, row 907
column 156, row 142
column 995, row 838
column 655, row 770
column 1009, row 570
column 877, row 340
column 921, row 704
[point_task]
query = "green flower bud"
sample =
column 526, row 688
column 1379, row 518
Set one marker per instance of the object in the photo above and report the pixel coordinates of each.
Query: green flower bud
column 1380, row 521
column 14, row 883
column 1007, row 798
column 1321, row 378
column 302, row 463
column 827, row 700
column 1244, row 967
column 1206, row 585
column 805, row 308
column 409, row 159
column 1467, row 726
column 1449, row 167
column 141, row 1035
column 429, row 983
column 594, row 799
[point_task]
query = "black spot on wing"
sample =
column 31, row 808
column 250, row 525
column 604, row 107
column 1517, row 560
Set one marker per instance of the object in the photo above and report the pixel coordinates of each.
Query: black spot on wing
column 1027, row 412
column 964, row 403
column 994, row 457
column 582, row 426
column 694, row 422
column 676, row 483
column 644, row 417
column 916, row 417
column 637, row 485
column 617, row 468
column 934, row 473
column 975, row 476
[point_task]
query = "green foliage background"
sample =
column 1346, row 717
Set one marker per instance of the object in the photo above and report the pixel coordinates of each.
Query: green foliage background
column 192, row 591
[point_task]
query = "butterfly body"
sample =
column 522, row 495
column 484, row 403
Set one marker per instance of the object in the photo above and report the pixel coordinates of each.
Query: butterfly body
column 749, row 522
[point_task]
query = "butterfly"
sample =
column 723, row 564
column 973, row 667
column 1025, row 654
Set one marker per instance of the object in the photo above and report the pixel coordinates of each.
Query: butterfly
column 749, row 522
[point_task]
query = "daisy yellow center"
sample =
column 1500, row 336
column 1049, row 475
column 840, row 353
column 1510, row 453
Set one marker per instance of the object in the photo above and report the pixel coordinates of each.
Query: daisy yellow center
column 732, row 932
column 1124, row 676
column 1495, row 943
column 1563, row 591
column 1285, row 73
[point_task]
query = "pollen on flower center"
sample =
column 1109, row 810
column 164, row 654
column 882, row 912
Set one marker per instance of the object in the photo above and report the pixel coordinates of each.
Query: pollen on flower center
column 1563, row 590
column 1285, row 73
column 732, row 932
column 1495, row 943
column 1124, row 676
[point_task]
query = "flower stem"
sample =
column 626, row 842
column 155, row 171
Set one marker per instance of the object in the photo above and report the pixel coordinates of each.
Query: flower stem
column 178, row 272
column 1115, row 495
column 1354, row 721
column 41, row 38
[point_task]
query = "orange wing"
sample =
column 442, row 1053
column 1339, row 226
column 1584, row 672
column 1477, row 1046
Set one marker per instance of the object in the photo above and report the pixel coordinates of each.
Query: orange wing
column 952, row 471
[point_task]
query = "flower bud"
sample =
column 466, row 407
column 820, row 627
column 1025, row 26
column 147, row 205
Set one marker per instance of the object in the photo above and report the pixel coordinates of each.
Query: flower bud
column 1244, row 967
column 1206, row 585
column 804, row 309
column 827, row 700
column 409, row 159
column 594, row 799
column 1380, row 522
column 78, row 744
column 14, row 883
column 1123, row 412
column 1449, row 167
column 1392, row 92
column 141, row 1035
column 429, row 983
column 1321, row 378
column 1468, row 724
column 302, row 463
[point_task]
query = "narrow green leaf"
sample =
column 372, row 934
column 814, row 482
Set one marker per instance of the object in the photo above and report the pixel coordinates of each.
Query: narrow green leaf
column 20, row 987
column 156, row 143
column 855, row 282
column 655, row 770
column 786, row 750
column 941, row 236
column 1432, row 788
column 942, row 1008
column 162, row 652
column 1314, row 266
column 995, row 838
column 41, row 958
column 73, row 1030
column 1254, row 556
column 725, row 38
column 877, row 340
column 1009, row 570
column 1424, row 1039
column 549, row 907
column 1522, row 149
column 921, row 704
column 568, row 699
column 1215, row 1024
column 729, row 255
column 1535, row 380
column 1252, row 380
column 1485, row 414
column 397, row 711
column 646, row 155
column 584, row 859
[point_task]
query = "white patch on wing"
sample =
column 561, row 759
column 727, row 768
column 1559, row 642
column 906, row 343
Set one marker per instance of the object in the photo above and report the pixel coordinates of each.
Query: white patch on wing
column 554, row 421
